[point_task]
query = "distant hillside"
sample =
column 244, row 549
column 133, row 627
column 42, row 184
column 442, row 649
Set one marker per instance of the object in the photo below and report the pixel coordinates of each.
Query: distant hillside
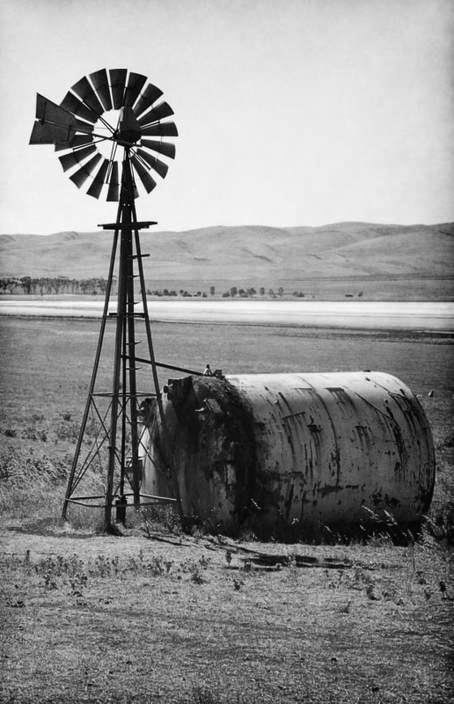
column 249, row 255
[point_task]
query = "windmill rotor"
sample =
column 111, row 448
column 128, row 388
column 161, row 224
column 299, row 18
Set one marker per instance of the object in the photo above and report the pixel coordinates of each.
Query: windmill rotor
column 78, row 126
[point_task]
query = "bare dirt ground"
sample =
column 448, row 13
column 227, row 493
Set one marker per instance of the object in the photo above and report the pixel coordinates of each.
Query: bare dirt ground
column 129, row 619
column 165, row 617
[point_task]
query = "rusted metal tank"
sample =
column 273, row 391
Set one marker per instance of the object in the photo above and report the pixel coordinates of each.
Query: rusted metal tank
column 284, row 453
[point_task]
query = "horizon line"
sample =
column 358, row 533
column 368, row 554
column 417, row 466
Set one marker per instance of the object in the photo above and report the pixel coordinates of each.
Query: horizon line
column 209, row 227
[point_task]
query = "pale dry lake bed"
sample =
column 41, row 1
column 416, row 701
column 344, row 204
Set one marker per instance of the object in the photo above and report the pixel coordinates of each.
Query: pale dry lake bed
column 389, row 315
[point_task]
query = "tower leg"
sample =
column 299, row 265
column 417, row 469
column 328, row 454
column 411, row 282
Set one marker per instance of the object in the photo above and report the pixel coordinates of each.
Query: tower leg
column 154, row 370
column 121, row 306
column 132, row 375
column 124, row 338
column 70, row 486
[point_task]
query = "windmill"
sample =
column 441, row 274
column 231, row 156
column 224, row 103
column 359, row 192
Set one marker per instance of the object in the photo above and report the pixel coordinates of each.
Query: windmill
column 93, row 150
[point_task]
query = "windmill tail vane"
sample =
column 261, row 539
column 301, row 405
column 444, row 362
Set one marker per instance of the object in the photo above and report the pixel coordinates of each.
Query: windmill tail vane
column 110, row 118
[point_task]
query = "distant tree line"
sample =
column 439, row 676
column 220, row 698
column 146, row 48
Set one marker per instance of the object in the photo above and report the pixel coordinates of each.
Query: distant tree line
column 60, row 285
column 29, row 285
column 234, row 291
column 183, row 293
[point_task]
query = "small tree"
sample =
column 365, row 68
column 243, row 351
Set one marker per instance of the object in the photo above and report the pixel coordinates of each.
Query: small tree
column 212, row 290
column 26, row 284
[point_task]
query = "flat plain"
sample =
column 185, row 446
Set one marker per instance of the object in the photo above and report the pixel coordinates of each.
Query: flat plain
column 160, row 616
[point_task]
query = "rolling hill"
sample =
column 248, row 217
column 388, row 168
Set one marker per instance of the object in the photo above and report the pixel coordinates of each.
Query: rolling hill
column 345, row 252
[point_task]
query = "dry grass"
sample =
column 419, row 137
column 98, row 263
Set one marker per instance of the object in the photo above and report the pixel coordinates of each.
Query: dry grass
column 89, row 618
column 131, row 620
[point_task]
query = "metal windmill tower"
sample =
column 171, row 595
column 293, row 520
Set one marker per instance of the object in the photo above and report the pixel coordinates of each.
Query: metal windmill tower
column 78, row 127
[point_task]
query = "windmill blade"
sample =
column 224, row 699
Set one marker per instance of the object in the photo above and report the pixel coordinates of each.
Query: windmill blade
column 114, row 186
column 74, row 105
column 81, row 175
column 69, row 160
column 166, row 129
column 87, row 94
column 159, row 112
column 161, row 147
column 77, row 141
column 99, row 180
column 135, row 84
column 101, row 85
column 143, row 174
column 148, row 97
column 159, row 166
column 82, row 126
column 117, row 84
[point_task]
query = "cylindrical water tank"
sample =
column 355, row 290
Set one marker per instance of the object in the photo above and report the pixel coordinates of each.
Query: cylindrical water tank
column 292, row 452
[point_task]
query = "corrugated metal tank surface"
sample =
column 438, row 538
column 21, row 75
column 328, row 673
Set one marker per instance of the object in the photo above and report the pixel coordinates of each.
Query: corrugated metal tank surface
column 295, row 452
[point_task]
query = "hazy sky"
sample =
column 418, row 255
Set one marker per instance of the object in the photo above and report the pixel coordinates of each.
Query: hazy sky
column 290, row 112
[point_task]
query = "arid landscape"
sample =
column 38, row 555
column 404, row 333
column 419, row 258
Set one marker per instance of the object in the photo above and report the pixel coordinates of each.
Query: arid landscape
column 372, row 261
column 226, row 437
column 161, row 616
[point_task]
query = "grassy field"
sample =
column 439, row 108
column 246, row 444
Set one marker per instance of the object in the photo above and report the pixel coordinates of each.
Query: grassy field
column 190, row 619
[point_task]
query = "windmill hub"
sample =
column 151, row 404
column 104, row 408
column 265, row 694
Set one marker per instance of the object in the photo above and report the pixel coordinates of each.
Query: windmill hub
column 128, row 132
